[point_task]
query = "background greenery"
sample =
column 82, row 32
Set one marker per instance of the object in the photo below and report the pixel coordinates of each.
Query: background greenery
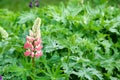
column 20, row 5
column 81, row 42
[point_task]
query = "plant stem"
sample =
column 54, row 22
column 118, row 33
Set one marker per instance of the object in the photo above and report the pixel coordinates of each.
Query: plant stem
column 33, row 62
column 33, row 65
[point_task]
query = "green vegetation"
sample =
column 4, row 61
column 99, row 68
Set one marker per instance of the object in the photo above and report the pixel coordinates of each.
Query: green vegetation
column 80, row 42
column 20, row 5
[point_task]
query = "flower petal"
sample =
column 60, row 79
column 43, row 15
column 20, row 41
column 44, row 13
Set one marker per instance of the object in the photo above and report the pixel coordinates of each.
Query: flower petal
column 28, row 45
column 32, row 54
column 30, row 39
column 27, row 53
column 38, row 54
column 38, row 48
column 36, row 43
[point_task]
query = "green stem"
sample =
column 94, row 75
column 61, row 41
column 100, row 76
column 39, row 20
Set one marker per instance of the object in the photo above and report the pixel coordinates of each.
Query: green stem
column 33, row 65
column 33, row 62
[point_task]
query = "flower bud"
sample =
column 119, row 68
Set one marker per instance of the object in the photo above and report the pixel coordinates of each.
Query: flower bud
column 30, row 5
column 30, row 39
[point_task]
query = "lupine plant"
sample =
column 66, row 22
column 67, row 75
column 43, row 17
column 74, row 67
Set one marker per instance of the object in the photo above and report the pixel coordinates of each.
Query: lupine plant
column 33, row 41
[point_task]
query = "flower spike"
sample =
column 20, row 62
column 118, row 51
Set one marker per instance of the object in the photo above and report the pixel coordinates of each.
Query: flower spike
column 33, row 41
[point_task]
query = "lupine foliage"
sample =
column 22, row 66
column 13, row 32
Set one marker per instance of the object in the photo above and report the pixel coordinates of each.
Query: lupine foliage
column 80, row 42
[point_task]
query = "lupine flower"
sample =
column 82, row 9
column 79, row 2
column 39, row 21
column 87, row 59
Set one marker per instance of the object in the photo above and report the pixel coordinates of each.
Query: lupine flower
column 27, row 53
column 33, row 41
column 37, row 3
column 3, row 33
column 30, row 5
column 0, row 77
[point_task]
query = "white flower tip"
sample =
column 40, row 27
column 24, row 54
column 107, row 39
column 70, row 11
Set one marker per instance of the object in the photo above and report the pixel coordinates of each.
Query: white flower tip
column 36, row 24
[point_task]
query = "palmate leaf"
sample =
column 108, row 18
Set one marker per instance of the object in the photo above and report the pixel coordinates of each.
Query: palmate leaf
column 88, row 73
column 114, row 24
column 110, row 64
column 77, row 66
column 106, row 44
column 113, row 78
column 114, row 30
column 53, row 45
column 26, row 17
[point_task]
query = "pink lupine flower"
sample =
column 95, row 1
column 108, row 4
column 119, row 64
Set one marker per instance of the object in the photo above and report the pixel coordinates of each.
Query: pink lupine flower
column 37, row 42
column 38, row 48
column 38, row 54
column 33, row 41
column 27, row 53
column 28, row 45
column 32, row 54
